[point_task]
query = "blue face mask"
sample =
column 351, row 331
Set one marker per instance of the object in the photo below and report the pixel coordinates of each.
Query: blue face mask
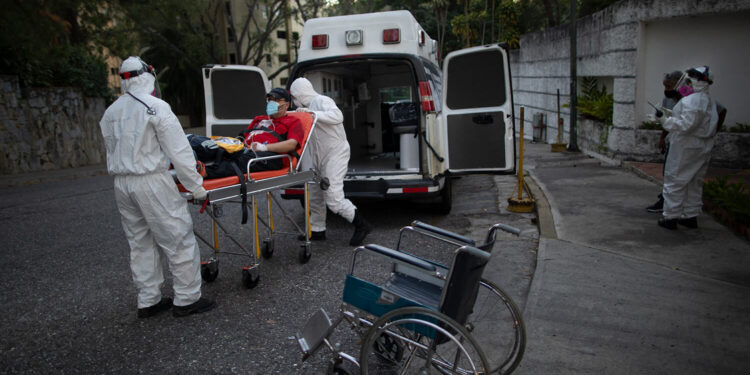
column 272, row 108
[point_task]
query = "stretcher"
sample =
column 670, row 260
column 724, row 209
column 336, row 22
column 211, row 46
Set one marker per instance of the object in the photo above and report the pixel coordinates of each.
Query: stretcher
column 231, row 189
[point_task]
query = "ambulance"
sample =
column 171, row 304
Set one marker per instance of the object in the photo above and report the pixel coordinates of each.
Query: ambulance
column 411, row 126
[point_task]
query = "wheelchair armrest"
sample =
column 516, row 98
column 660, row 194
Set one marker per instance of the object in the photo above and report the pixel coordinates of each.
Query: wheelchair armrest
column 436, row 233
column 399, row 257
column 445, row 233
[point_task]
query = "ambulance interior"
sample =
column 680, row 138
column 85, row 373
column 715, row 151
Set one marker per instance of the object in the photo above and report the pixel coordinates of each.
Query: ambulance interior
column 380, row 103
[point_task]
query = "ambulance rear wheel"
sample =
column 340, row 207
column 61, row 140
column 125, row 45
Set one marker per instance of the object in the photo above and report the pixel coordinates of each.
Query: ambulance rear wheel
column 305, row 253
column 210, row 270
column 266, row 249
column 250, row 278
column 443, row 206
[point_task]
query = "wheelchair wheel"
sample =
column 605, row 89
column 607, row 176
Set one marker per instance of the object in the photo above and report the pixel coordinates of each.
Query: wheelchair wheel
column 429, row 343
column 496, row 322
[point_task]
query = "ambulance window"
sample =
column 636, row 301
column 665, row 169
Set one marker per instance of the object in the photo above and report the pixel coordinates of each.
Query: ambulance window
column 237, row 94
column 395, row 94
column 476, row 80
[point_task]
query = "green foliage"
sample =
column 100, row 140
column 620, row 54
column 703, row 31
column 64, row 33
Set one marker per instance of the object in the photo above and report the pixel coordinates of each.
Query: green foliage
column 595, row 103
column 46, row 44
column 509, row 22
column 739, row 128
column 731, row 197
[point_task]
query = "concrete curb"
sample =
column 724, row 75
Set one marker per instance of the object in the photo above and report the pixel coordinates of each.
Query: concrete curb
column 545, row 219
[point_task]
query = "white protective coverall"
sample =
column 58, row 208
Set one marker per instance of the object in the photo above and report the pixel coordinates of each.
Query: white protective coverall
column 329, row 151
column 692, row 128
column 140, row 147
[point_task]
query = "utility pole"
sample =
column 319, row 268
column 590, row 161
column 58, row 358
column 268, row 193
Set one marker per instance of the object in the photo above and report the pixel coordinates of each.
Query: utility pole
column 573, row 144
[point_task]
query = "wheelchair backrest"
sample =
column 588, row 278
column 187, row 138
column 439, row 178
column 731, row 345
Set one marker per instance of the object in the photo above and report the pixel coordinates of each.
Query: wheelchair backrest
column 462, row 284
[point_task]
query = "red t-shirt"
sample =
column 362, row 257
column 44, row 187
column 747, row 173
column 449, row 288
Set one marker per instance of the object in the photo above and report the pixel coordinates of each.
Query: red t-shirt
column 288, row 126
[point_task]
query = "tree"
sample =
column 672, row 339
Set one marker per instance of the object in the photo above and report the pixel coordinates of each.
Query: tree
column 252, row 33
column 177, row 38
column 48, row 43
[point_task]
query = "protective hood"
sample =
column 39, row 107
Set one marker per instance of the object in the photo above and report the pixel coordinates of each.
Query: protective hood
column 700, row 86
column 302, row 92
column 138, row 78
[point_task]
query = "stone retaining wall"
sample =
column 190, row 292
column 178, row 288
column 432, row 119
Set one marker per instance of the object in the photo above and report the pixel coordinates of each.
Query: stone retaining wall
column 48, row 128
column 609, row 47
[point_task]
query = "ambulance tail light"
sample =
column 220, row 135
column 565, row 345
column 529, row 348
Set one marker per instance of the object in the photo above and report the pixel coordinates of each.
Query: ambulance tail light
column 425, row 92
column 421, row 37
column 391, row 36
column 320, row 41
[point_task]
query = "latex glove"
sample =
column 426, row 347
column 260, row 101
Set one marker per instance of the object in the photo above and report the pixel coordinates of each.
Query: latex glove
column 302, row 109
column 255, row 146
column 200, row 194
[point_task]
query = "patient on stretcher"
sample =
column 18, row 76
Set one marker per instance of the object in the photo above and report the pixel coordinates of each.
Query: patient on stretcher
column 272, row 134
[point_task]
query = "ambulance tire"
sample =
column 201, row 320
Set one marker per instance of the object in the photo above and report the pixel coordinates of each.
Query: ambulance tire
column 443, row 206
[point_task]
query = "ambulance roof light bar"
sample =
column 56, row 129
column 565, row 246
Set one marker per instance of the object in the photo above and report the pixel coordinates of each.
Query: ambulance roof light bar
column 320, row 41
column 391, row 36
column 353, row 37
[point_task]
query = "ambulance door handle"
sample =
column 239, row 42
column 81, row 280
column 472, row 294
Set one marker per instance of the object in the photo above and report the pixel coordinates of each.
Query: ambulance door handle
column 483, row 119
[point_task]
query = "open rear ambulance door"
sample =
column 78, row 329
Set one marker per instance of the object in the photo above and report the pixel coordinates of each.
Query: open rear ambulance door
column 234, row 95
column 478, row 111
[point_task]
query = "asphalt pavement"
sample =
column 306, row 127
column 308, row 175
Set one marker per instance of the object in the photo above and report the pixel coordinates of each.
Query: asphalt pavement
column 603, row 289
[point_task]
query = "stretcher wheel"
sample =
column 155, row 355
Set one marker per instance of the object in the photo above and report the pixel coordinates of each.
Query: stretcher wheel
column 250, row 278
column 210, row 270
column 305, row 253
column 266, row 250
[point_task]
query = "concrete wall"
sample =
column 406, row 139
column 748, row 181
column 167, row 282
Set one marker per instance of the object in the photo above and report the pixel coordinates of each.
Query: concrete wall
column 45, row 129
column 629, row 46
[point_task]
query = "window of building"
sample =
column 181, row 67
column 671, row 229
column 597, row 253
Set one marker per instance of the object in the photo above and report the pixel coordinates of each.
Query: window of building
column 283, row 58
column 232, row 58
column 295, row 35
column 283, row 81
column 281, row 34
column 268, row 60
column 230, row 35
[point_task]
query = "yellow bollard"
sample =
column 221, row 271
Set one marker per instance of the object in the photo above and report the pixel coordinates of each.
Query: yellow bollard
column 520, row 204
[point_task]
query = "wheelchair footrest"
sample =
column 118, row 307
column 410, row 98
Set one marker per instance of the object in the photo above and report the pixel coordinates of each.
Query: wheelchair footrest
column 317, row 329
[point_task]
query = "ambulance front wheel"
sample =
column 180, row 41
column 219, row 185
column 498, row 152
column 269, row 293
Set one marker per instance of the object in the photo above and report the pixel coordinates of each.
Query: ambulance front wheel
column 305, row 252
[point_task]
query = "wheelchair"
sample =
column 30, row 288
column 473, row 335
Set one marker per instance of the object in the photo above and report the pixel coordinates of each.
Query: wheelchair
column 420, row 316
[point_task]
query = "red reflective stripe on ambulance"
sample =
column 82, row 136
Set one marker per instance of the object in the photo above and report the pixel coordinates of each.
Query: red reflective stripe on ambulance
column 294, row 191
column 408, row 190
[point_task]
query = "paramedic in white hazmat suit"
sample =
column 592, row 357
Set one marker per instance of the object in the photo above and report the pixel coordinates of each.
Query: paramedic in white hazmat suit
column 330, row 156
column 142, row 137
column 691, row 128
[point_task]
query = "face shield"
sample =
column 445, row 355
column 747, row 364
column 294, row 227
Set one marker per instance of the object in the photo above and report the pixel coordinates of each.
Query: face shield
column 134, row 67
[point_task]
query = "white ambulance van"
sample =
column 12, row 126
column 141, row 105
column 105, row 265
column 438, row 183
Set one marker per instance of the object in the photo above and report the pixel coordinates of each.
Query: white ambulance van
column 411, row 126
